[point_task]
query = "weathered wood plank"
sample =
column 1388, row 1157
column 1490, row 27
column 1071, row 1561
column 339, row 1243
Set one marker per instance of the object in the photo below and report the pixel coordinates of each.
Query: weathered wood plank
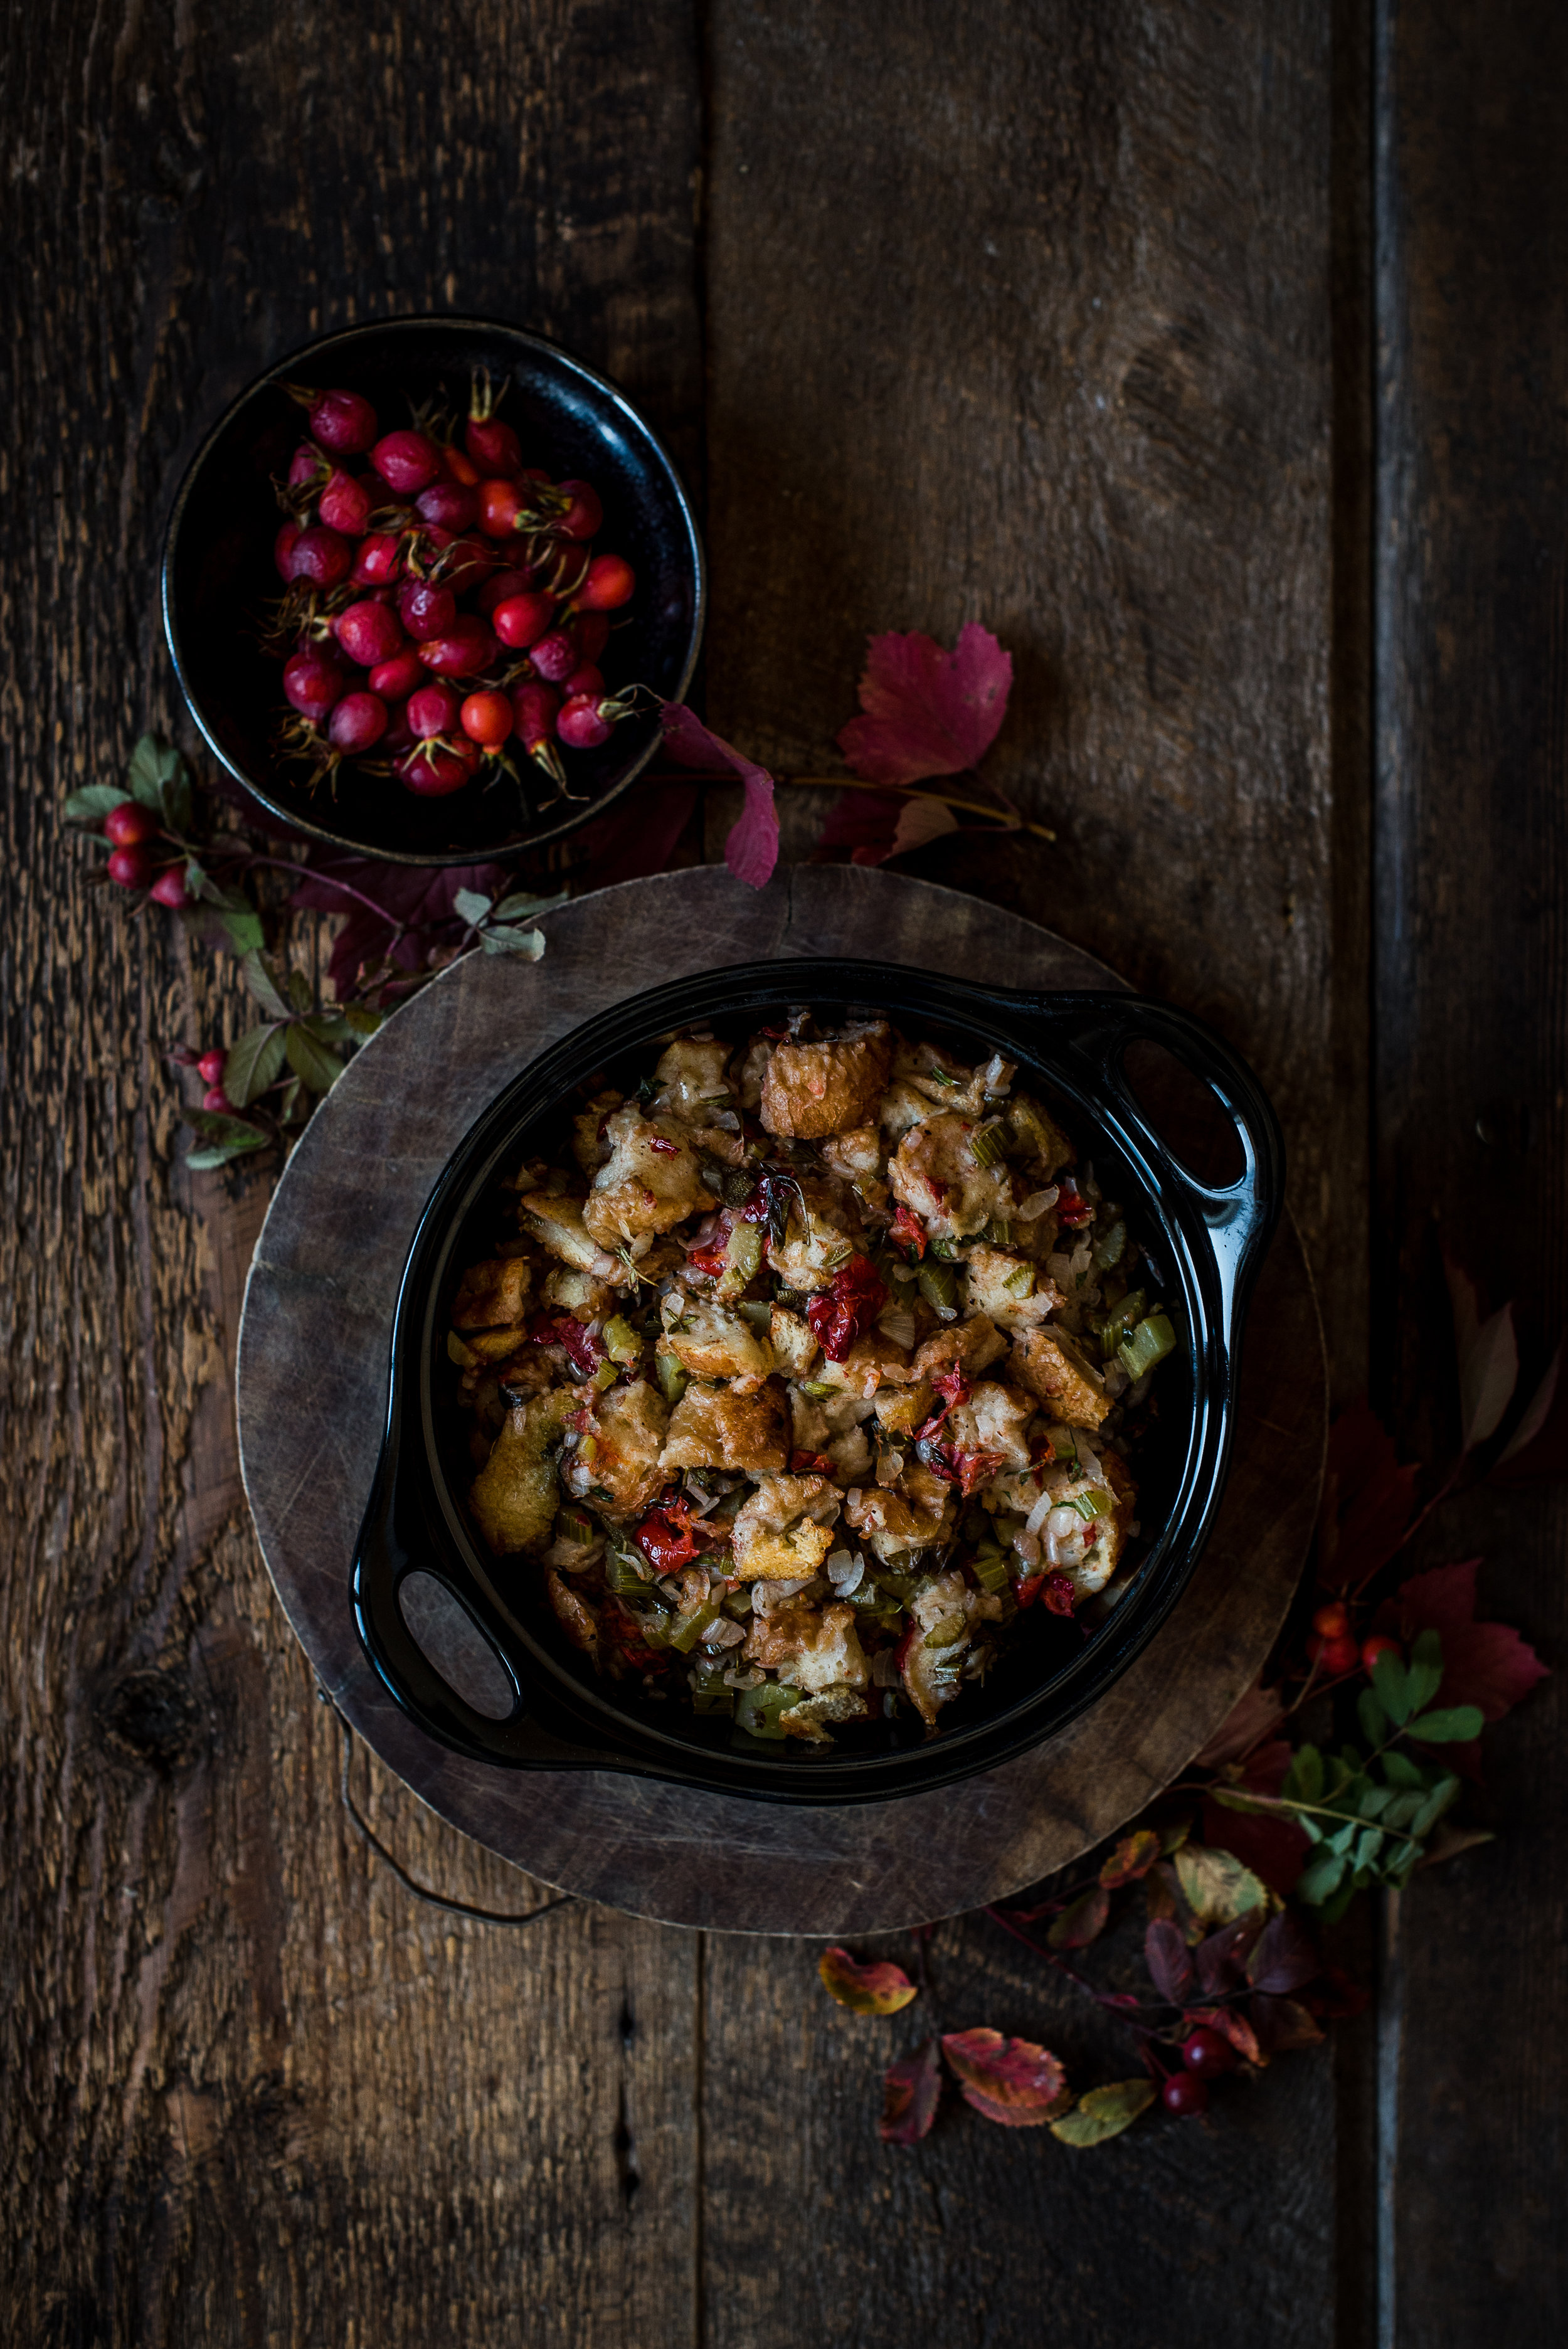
column 1472, row 998
column 254, row 2092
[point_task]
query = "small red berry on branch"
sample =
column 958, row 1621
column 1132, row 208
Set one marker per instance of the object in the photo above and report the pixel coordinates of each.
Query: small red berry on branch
column 131, row 868
column 209, row 1067
column 127, row 825
column 1184, row 2095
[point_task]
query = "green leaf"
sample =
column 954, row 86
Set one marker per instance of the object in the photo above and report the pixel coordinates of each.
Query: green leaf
column 230, row 1135
column 1400, row 1771
column 153, row 765
column 512, row 909
column 1307, row 1771
column 500, row 939
column 1444, row 1793
column 470, row 905
column 1375, row 1801
column 252, row 1064
column 1103, row 2113
column 1426, row 1670
column 1308, row 1826
column 363, row 1018
column 300, row 992
column 1368, row 1844
column 1392, row 1683
column 1335, row 1907
column 262, row 985
column 289, row 1108
column 1402, row 1865
column 1343, row 1837
column 246, row 935
column 1370, row 1712
column 93, row 803
column 1320, row 1877
column 1455, row 1725
column 310, row 1060
column 1402, row 1809
column 200, row 1161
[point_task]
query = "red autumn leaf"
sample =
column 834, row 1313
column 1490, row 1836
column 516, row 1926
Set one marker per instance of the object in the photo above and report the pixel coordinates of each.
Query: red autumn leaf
column 1484, row 1664
column 927, row 712
column 751, row 850
column 912, row 2089
column 1273, row 1847
column 875, row 826
column 1280, row 2024
column 1284, row 1957
column 1368, row 1500
column 1165, row 1955
column 1488, row 1357
column 1134, row 1855
column 416, row 900
column 1220, row 1958
column 1082, row 1920
column 877, row 1988
column 1250, row 1719
column 1011, row 2081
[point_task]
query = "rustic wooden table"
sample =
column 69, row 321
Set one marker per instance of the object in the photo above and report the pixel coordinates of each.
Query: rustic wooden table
column 1216, row 358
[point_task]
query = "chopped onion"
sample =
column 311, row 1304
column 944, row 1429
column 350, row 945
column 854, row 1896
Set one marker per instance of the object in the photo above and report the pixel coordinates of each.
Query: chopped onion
column 754, row 1678
column 1035, row 1204
column 897, row 1325
column 1029, row 1549
column 845, row 1573
column 1062, row 1524
column 997, row 1075
column 722, row 1633
column 1088, row 1461
column 884, row 1669
column 1040, row 1513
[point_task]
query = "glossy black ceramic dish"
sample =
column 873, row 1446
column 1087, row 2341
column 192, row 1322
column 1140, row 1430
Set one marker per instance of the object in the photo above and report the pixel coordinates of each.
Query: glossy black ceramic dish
column 218, row 575
column 1206, row 1242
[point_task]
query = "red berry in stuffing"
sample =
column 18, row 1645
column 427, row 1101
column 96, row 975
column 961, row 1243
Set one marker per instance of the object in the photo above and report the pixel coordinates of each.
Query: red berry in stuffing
column 584, row 680
column 378, row 561
column 210, row 1068
column 611, row 582
column 357, row 723
column 437, row 768
column 324, row 557
column 501, row 586
column 433, row 710
column 466, row 650
column 555, row 657
column 500, row 503
column 347, row 505
column 1378, row 1644
column 342, row 421
column 1208, row 2051
column 283, row 546
column 312, row 681
column 847, row 1308
column 396, row 679
column 534, row 708
column 127, row 825
column 427, row 610
column 585, row 722
column 487, row 718
column 130, row 867
column 521, row 620
column 448, row 505
column 170, row 889
column 216, row 1099
column 369, row 632
column 406, row 462
column 591, row 633
column 1184, row 2095
column 583, row 514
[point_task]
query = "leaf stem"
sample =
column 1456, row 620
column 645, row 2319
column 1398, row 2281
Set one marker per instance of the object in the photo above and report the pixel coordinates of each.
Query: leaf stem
column 1005, row 819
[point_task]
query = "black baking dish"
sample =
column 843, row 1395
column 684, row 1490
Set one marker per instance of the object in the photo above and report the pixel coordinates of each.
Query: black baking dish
column 1207, row 1242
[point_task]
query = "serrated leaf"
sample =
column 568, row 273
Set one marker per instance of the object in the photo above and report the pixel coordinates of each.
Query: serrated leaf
column 912, row 2089
column 1343, row 1837
column 202, row 1160
column 1103, row 2113
column 501, row 939
column 1283, row 1958
column 1082, row 1920
column 1012, row 2082
column 1400, row 1771
column 1392, row 1684
column 1218, row 1888
column 1169, row 1966
column 244, row 930
column 262, row 985
column 877, row 1988
column 1452, row 1724
column 309, row 1059
column 1133, row 1858
column 363, row 1018
column 215, row 1126
column 300, row 992
column 470, row 905
column 91, row 804
column 252, row 1064
column 1368, row 1844
column 1402, row 1809
column 1375, row 1801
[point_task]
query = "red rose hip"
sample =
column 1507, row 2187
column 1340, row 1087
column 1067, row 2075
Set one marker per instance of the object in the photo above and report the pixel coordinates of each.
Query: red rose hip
column 369, row 632
column 534, row 708
column 468, row 647
column 434, row 709
column 434, row 769
column 170, row 889
column 501, row 586
column 1184, row 2095
column 449, row 505
column 342, row 421
column 584, row 514
column 127, row 825
column 378, row 561
column 555, row 657
column 591, row 633
column 487, row 718
column 406, row 462
column 1208, row 2050
column 586, row 721
column 357, row 723
column 312, row 681
column 521, row 620
column 209, row 1067
column 347, row 505
column 131, row 868
column 611, row 582
column 427, row 610
column 283, row 546
column 217, row 1099
column 396, row 679
column 324, row 557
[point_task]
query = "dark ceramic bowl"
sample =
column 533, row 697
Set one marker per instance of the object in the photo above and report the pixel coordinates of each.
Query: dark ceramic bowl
column 218, row 574
column 1205, row 1241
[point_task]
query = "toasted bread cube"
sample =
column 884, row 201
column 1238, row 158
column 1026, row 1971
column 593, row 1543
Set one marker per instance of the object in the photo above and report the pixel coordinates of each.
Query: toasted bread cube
column 713, row 1342
column 1009, row 1288
column 794, row 1348
column 785, row 1530
column 817, row 1650
column 713, row 1427
column 785, row 1558
column 617, row 1462
column 579, row 1293
column 495, row 1345
column 490, row 1295
column 872, row 1362
column 935, row 1173
column 971, row 1346
column 835, row 1704
column 691, row 1074
column 1047, row 1362
column 651, row 1182
column 993, row 1420
column 513, row 1497
column 812, row 1089
column 575, row 1615
column 823, row 1231
column 557, row 1221
column 1109, row 1535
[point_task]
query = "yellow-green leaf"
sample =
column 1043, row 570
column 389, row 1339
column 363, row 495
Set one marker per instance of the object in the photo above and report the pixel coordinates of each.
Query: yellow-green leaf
column 1218, row 1888
column 1104, row 2113
column 879, row 1988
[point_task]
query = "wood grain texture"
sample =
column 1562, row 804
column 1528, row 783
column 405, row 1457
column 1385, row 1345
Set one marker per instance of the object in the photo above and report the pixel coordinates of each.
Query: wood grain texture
column 252, row 2092
column 313, row 1374
column 1470, row 1030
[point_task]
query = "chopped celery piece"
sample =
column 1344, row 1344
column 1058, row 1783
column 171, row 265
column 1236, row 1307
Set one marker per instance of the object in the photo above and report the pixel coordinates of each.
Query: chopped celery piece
column 625, row 1573
column 654, row 1626
column 672, row 1377
column 742, row 1259
column 737, row 1604
column 986, row 1147
column 1064, row 1444
column 621, row 1342
column 999, row 1232
column 990, row 1569
column 948, row 1633
column 1020, row 1281
column 606, row 1376
column 818, row 1388
column 1091, row 1505
column 939, row 1287
column 945, row 1250
column 575, row 1526
column 759, row 1708
column 1108, row 1250
column 713, row 1700
column 1115, row 1325
column 689, row 1629
column 757, row 1312
column 1150, row 1343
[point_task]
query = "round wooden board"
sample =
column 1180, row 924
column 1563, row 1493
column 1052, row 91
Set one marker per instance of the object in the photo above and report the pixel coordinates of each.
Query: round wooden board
column 313, row 1364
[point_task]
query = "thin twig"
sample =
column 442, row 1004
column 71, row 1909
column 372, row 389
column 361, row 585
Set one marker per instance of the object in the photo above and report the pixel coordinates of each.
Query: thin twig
column 1002, row 818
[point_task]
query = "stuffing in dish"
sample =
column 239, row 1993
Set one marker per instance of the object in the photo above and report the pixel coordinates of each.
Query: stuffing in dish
column 811, row 1364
